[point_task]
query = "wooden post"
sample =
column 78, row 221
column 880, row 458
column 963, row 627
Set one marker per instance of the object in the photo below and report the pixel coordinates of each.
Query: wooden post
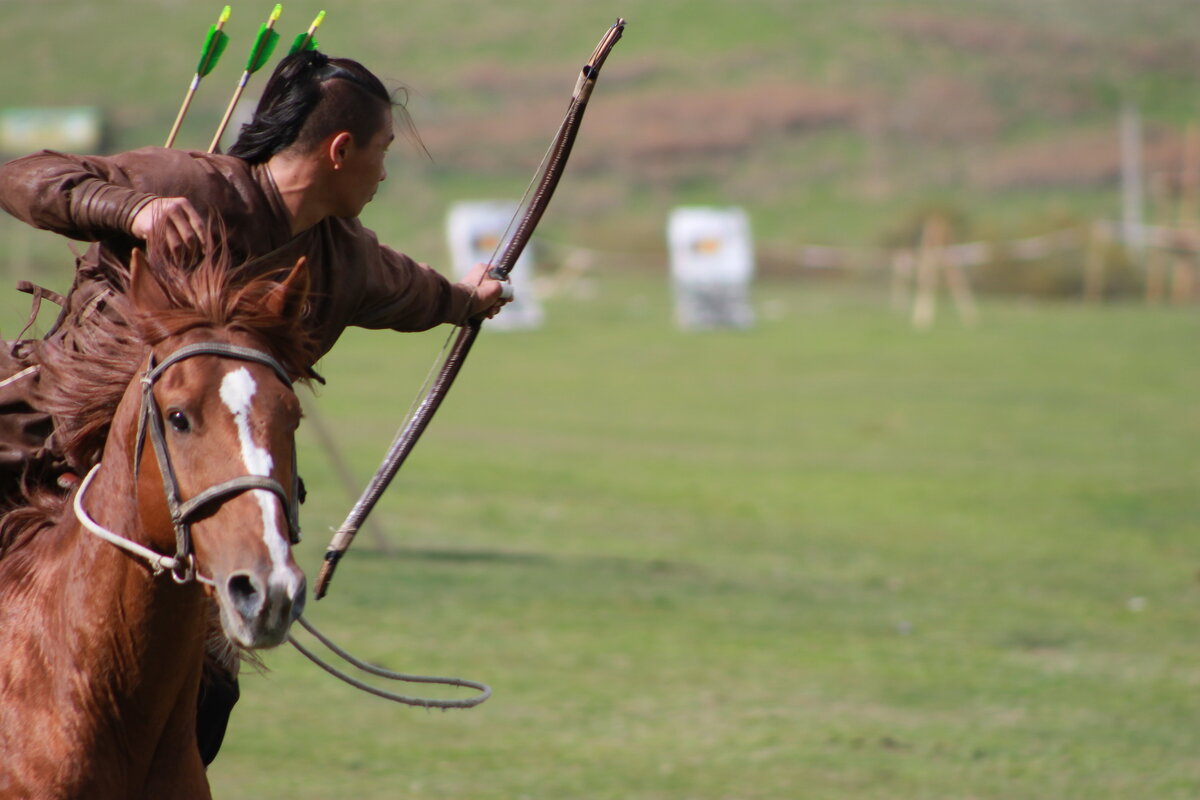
column 929, row 264
column 1132, row 199
column 960, row 291
column 1093, row 271
column 902, row 278
column 1183, row 277
column 1155, row 277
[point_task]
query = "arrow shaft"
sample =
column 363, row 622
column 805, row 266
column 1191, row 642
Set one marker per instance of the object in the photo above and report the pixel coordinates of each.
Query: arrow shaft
column 183, row 109
column 233, row 101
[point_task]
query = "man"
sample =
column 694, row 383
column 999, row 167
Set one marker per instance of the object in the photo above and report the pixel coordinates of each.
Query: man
column 293, row 185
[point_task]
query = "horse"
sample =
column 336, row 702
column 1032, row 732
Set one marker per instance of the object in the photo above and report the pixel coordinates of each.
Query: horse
column 184, row 415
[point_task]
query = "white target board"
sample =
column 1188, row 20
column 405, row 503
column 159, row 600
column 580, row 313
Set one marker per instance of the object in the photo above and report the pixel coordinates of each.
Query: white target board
column 476, row 231
column 712, row 264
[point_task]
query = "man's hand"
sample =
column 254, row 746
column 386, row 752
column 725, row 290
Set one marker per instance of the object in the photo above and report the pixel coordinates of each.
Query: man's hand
column 174, row 220
column 488, row 295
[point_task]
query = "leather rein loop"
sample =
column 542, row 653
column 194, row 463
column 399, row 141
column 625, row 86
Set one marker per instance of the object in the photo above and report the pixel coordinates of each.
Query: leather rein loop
column 555, row 162
column 183, row 513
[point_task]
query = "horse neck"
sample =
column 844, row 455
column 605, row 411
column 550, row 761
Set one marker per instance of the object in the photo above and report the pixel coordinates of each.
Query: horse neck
column 112, row 654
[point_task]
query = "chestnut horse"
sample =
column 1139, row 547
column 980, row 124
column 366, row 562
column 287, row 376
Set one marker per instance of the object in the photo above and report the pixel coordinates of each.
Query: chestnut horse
column 185, row 409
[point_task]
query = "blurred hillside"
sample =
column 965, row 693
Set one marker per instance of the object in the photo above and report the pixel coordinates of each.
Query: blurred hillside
column 831, row 121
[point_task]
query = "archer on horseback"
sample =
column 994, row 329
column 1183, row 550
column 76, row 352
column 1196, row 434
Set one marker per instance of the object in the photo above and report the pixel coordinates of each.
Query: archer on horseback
column 291, row 187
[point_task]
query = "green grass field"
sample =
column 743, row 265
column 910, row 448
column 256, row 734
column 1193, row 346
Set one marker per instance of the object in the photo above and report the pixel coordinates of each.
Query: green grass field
column 829, row 557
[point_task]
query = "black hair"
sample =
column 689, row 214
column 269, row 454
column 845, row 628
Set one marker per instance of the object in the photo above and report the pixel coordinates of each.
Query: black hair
column 310, row 96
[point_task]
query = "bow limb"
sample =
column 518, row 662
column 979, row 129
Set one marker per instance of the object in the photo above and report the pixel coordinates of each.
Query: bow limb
column 556, row 160
column 554, row 164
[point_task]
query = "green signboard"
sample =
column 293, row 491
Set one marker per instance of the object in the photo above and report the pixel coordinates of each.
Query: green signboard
column 76, row 130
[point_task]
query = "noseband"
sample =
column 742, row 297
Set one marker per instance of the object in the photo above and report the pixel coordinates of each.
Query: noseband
column 183, row 513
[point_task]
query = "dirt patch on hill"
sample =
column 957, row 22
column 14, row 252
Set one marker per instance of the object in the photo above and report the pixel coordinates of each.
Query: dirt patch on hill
column 1086, row 158
column 650, row 132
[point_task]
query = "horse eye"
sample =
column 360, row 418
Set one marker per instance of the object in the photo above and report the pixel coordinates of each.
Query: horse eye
column 179, row 421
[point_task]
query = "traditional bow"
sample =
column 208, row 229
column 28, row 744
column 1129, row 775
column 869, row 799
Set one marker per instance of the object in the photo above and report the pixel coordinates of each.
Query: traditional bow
column 553, row 165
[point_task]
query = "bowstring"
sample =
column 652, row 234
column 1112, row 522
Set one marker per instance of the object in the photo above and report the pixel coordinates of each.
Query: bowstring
column 439, row 360
column 538, row 174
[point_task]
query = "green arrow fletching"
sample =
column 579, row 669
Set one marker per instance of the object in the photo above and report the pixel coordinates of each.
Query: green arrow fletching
column 214, row 46
column 308, row 39
column 299, row 43
column 264, row 45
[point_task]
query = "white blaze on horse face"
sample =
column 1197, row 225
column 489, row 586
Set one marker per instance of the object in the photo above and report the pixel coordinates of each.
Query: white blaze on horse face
column 237, row 392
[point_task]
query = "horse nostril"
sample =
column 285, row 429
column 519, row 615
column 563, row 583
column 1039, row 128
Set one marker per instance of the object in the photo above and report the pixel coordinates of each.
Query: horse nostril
column 299, row 599
column 245, row 594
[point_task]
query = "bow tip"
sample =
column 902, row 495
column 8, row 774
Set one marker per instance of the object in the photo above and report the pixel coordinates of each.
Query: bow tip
column 325, row 575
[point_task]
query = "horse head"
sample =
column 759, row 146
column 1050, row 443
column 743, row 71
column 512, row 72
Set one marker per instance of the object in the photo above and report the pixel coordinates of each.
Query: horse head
column 214, row 453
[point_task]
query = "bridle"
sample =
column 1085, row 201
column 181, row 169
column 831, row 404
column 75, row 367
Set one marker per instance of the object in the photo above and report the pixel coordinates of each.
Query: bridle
column 182, row 565
column 184, row 512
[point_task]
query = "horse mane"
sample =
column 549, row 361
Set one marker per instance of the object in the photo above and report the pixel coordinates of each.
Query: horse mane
column 85, row 371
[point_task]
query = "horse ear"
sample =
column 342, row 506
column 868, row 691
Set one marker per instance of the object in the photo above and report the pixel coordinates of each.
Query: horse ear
column 145, row 292
column 288, row 298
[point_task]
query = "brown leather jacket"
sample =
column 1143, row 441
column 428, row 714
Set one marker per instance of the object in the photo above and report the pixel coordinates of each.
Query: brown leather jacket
column 355, row 280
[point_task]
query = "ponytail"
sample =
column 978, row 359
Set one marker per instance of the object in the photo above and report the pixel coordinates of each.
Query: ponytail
column 308, row 97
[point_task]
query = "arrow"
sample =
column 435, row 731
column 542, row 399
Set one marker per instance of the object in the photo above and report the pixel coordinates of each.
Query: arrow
column 264, row 45
column 214, row 46
column 305, row 41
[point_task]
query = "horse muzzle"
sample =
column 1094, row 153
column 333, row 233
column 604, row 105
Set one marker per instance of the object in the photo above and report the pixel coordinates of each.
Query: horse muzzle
column 257, row 609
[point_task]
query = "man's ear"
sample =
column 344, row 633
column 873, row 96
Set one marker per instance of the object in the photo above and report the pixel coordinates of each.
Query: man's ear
column 338, row 147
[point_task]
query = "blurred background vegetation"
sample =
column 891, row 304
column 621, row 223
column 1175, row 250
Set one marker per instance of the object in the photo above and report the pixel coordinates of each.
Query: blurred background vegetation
column 832, row 122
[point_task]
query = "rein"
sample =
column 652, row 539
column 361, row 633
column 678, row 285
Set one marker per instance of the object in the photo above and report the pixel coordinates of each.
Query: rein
column 484, row 690
column 158, row 562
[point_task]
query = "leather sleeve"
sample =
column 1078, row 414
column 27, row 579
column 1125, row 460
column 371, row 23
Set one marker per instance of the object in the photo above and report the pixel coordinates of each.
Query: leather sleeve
column 81, row 197
column 403, row 294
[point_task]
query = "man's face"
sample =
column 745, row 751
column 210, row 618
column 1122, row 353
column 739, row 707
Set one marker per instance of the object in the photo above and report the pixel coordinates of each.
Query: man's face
column 362, row 169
